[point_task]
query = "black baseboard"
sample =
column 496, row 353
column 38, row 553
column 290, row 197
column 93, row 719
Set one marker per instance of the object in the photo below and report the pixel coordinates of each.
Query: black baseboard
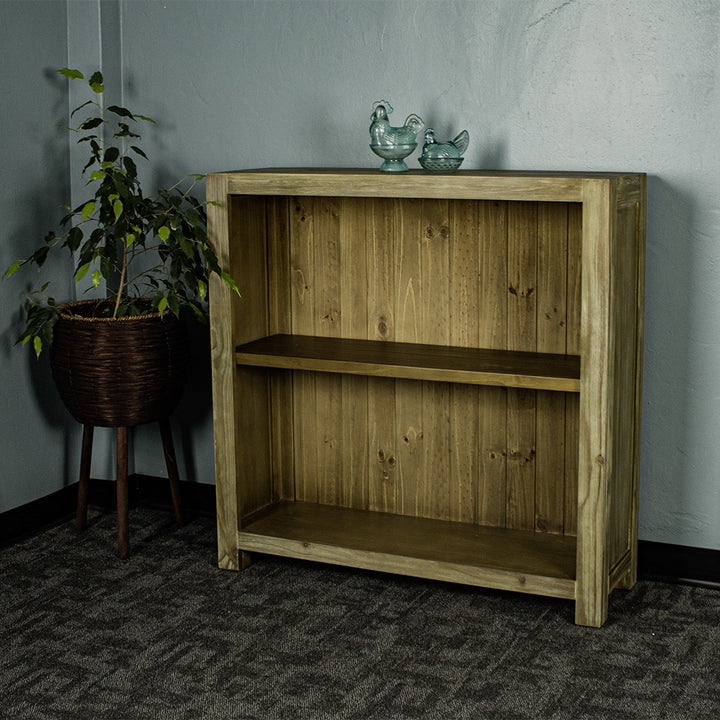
column 656, row 561
column 678, row 563
column 26, row 520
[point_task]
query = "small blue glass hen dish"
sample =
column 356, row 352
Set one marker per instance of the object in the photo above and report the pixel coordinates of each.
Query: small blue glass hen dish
column 392, row 144
column 443, row 157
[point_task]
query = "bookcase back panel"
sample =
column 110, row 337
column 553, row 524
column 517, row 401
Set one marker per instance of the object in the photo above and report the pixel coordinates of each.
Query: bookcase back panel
column 501, row 275
column 381, row 269
column 393, row 445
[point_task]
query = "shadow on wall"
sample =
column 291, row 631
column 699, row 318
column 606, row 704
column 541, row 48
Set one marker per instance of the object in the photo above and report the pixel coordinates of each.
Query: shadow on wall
column 666, row 421
column 37, row 208
column 195, row 409
column 191, row 421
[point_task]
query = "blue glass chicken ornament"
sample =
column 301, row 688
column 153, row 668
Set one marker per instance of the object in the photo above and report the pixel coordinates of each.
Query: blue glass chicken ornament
column 393, row 144
column 443, row 156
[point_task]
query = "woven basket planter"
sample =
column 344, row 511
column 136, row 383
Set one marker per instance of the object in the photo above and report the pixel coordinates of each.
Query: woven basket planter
column 117, row 373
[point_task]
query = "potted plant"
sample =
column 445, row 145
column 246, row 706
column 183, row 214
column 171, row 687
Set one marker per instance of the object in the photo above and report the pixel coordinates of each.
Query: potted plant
column 118, row 361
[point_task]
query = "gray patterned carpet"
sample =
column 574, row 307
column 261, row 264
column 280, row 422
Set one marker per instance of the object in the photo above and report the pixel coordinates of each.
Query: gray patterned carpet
column 166, row 635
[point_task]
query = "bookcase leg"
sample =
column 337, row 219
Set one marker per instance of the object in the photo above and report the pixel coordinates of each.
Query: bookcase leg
column 228, row 556
column 628, row 580
column 591, row 598
column 233, row 559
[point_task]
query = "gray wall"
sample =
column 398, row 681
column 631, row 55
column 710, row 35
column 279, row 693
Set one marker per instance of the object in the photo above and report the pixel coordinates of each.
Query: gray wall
column 540, row 84
column 35, row 433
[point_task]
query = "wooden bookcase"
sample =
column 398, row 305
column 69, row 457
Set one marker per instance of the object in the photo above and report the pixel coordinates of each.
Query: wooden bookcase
column 433, row 375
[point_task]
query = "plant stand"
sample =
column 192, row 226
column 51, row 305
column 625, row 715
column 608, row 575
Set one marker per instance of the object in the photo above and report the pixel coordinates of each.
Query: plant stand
column 123, row 521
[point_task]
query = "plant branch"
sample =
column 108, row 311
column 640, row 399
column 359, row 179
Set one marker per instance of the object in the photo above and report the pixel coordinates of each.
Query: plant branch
column 121, row 282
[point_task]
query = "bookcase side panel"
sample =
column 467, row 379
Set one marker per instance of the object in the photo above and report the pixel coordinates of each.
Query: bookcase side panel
column 223, row 378
column 572, row 400
column 248, row 261
column 624, row 336
column 592, row 576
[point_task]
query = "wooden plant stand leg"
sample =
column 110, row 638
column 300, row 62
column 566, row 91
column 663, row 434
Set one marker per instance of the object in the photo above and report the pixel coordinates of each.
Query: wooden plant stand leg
column 171, row 463
column 123, row 519
column 85, row 460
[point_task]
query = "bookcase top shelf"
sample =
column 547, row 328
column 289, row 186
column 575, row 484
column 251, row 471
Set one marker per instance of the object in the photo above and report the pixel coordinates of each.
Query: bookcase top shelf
column 464, row 184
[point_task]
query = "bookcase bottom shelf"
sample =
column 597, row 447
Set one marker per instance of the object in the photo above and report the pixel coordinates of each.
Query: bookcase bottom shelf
column 518, row 560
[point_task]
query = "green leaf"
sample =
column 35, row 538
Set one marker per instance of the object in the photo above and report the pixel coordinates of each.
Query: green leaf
column 96, row 278
column 37, row 342
column 121, row 111
column 118, row 209
column 72, row 74
column 138, row 151
column 129, row 239
column 145, row 118
column 130, row 166
column 229, row 282
column 91, row 123
column 90, row 162
column 74, row 239
column 82, row 271
column 187, row 247
column 162, row 305
column 80, row 107
column 202, row 289
column 39, row 256
column 97, row 175
column 112, row 154
column 48, row 328
column 12, row 269
column 164, row 233
column 106, row 268
column 199, row 314
column 96, row 82
column 174, row 304
column 125, row 131
column 88, row 210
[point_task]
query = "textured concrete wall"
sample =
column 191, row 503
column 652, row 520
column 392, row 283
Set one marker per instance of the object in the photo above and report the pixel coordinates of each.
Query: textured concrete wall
column 540, row 84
